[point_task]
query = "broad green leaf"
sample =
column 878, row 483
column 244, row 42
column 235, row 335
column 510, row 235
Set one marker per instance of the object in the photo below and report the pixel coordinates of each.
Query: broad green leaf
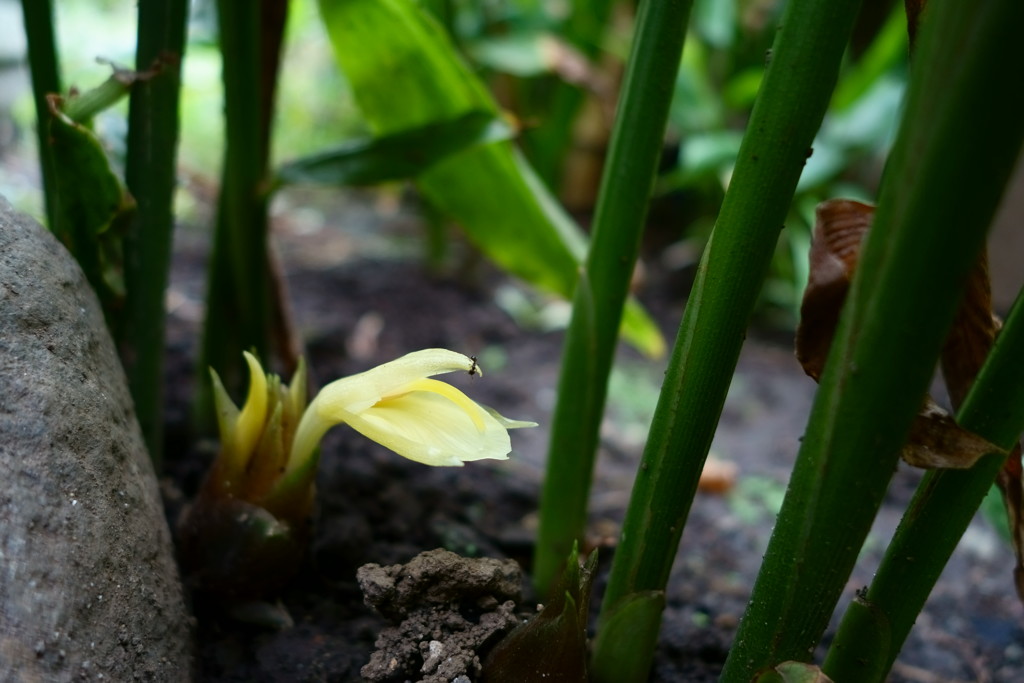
column 407, row 154
column 405, row 74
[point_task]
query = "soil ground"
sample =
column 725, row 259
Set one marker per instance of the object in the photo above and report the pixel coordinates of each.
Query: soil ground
column 359, row 300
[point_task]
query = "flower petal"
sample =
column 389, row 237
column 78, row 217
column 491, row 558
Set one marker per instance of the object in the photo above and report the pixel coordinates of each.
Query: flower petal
column 250, row 421
column 358, row 392
column 470, row 407
column 429, row 428
column 507, row 423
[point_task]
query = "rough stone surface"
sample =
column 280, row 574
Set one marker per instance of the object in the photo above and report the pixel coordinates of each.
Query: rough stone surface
column 447, row 611
column 88, row 585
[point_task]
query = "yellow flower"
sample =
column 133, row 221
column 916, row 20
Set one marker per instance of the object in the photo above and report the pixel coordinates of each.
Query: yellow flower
column 398, row 406
column 268, row 451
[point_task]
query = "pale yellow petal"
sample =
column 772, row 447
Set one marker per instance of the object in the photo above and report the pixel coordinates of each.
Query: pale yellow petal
column 506, row 422
column 428, row 428
column 250, row 421
column 311, row 429
column 358, row 392
column 449, row 392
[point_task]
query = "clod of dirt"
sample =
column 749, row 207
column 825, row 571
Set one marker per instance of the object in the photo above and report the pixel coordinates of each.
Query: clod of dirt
column 447, row 609
column 88, row 584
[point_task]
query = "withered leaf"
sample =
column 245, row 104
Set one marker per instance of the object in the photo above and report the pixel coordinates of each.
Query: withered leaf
column 938, row 442
column 935, row 441
column 839, row 229
column 971, row 337
column 1010, row 481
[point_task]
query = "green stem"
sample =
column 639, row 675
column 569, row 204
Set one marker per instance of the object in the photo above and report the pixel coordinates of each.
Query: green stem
column 801, row 74
column 150, row 173
column 242, row 211
column 240, row 300
column 960, row 136
column 43, row 64
column 938, row 516
column 593, row 332
column 83, row 107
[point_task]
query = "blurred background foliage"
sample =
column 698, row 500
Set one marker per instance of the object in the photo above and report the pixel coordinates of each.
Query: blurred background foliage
column 555, row 74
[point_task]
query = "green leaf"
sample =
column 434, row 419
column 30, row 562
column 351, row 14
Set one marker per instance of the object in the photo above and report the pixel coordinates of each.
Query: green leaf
column 399, row 156
column 91, row 199
column 405, row 74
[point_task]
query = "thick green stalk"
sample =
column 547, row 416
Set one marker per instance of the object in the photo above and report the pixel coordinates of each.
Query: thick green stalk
column 960, row 135
column 241, row 312
column 801, row 74
column 150, row 173
column 43, row 63
column 937, row 517
column 593, row 332
column 240, row 303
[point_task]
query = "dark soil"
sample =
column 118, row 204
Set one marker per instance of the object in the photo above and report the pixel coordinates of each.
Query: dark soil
column 359, row 302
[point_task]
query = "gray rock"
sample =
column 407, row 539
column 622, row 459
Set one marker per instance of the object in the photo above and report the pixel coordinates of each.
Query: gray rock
column 88, row 585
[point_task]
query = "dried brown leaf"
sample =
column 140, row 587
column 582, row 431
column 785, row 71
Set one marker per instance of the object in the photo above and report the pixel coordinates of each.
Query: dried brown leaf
column 937, row 442
column 839, row 229
column 971, row 336
column 1010, row 481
